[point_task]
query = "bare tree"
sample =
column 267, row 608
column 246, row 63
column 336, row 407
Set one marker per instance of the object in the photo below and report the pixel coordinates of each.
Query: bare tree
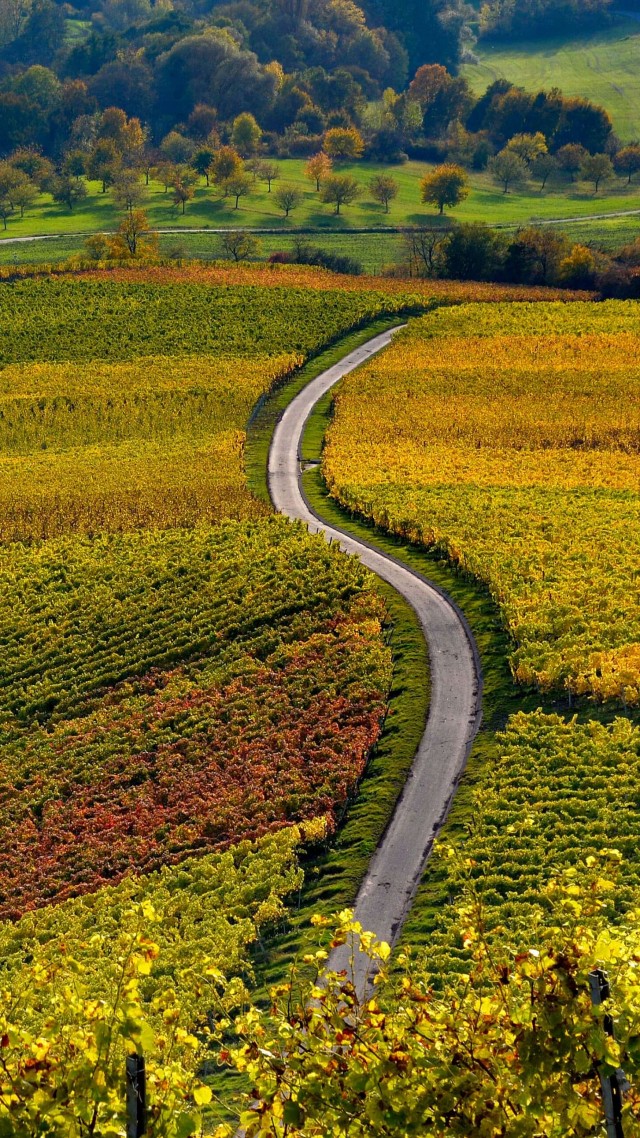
column 240, row 244
column 421, row 250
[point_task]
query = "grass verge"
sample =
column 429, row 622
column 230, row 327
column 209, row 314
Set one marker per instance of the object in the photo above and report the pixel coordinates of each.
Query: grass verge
column 268, row 410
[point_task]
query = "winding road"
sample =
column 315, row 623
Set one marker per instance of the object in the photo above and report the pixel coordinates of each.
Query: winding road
column 387, row 892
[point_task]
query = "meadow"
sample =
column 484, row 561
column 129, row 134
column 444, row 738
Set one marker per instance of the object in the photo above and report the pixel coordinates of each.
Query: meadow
column 505, row 451
column 602, row 65
column 209, row 211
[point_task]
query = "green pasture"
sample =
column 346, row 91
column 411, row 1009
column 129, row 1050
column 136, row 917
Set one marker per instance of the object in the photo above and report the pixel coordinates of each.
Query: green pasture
column 602, row 66
column 209, row 210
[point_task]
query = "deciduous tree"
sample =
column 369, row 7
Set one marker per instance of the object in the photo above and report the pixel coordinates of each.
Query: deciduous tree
column 508, row 169
column 238, row 186
column 246, row 134
column 339, row 190
column 344, row 143
column 571, row 158
column 202, row 162
column 627, row 161
column 597, row 168
column 68, row 191
column 384, row 189
column 287, row 198
column 226, row 163
column 240, row 245
column 268, row 172
column 447, row 185
column 318, row 169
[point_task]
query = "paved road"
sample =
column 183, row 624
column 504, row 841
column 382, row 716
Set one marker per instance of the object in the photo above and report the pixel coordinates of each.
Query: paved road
column 388, row 890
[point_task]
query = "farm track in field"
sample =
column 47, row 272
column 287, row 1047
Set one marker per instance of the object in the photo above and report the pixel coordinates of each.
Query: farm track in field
column 395, row 871
column 328, row 231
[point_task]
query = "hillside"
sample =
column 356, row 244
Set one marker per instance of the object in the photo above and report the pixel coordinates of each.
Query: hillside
column 602, row 65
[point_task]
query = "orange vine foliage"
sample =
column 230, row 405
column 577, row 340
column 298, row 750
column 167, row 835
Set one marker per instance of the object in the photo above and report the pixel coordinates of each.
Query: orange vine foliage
column 304, row 276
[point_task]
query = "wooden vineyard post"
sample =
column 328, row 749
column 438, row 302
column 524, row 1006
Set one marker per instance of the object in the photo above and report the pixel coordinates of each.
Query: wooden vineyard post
column 612, row 1085
column 136, row 1097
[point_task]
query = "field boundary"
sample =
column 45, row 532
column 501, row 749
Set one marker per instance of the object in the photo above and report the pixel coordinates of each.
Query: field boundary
column 397, row 865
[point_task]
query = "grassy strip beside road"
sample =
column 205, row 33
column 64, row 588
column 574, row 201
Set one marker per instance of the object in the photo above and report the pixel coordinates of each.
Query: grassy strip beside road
column 267, row 412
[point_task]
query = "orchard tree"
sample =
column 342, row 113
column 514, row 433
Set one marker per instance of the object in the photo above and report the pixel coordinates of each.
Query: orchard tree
column 23, row 195
column 268, row 172
column 238, row 186
column 508, row 169
column 344, row 144
column 447, row 185
column 245, row 134
column 627, row 161
column 384, row 189
column 287, row 198
column 202, row 162
column 33, row 164
column 127, row 190
column 318, row 169
column 68, row 191
column 75, row 163
column 6, row 210
column 542, row 167
column 597, row 168
column 226, row 164
column 240, row 245
column 183, row 185
column 339, row 190
column 571, row 159
column 104, row 162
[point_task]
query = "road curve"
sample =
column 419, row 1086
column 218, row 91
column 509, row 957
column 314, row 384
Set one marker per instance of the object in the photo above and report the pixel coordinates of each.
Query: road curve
column 394, row 873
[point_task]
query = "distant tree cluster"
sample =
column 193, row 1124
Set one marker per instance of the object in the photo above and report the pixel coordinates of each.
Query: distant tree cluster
column 517, row 19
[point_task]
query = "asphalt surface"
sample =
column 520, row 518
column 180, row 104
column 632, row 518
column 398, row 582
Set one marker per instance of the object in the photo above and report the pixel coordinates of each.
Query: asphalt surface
column 387, row 893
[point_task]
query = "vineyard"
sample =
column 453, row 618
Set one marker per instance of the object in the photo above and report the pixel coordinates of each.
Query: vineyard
column 502, row 439
column 191, row 688
column 505, row 440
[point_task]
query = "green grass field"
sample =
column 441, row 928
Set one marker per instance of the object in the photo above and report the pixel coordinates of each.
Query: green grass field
column 602, row 66
column 208, row 210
